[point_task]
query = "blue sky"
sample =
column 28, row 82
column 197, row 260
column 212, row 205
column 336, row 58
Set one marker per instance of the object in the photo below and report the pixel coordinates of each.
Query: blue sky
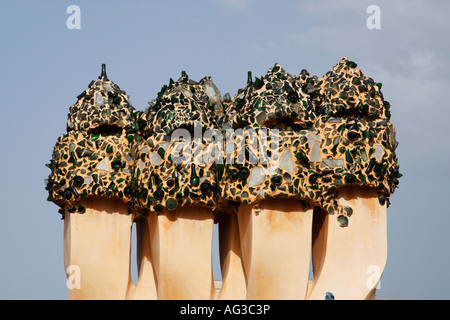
column 44, row 66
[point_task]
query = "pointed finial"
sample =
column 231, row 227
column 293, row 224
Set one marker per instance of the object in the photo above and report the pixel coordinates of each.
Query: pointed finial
column 249, row 77
column 276, row 68
column 103, row 75
column 184, row 77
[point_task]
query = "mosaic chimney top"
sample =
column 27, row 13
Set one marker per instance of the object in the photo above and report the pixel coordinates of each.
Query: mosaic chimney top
column 282, row 136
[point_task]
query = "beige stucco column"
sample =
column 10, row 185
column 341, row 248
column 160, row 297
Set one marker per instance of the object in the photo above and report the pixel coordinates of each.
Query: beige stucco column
column 276, row 248
column 181, row 244
column 349, row 261
column 97, row 250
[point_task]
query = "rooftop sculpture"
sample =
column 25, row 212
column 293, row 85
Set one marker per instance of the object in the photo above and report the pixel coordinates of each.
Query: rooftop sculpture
column 289, row 166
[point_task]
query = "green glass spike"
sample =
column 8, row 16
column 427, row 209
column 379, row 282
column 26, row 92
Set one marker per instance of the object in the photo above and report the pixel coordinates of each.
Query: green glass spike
column 249, row 77
column 103, row 74
column 276, row 68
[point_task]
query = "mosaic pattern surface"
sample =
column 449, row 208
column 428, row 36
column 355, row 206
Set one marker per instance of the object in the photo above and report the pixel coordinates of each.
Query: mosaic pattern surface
column 282, row 136
column 171, row 171
column 103, row 107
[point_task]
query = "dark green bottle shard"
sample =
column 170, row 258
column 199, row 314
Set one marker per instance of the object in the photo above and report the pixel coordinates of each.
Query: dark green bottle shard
column 341, row 128
column 249, row 77
column 220, row 168
column 171, row 204
column 258, row 84
column 275, row 68
column 352, row 64
column 103, row 74
column 348, row 156
column 233, row 174
column 161, row 152
column 78, row 181
column 195, row 181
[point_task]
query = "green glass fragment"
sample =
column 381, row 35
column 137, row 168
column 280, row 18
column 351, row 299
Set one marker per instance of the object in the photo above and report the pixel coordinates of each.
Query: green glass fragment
column 249, row 77
column 195, row 181
column 302, row 159
column 336, row 140
column 362, row 177
column 73, row 158
column 343, row 220
column 258, row 103
column 103, row 74
column 220, row 168
column 363, row 154
column 171, row 204
column 352, row 64
column 161, row 152
column 233, row 174
column 258, row 84
column 348, row 156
